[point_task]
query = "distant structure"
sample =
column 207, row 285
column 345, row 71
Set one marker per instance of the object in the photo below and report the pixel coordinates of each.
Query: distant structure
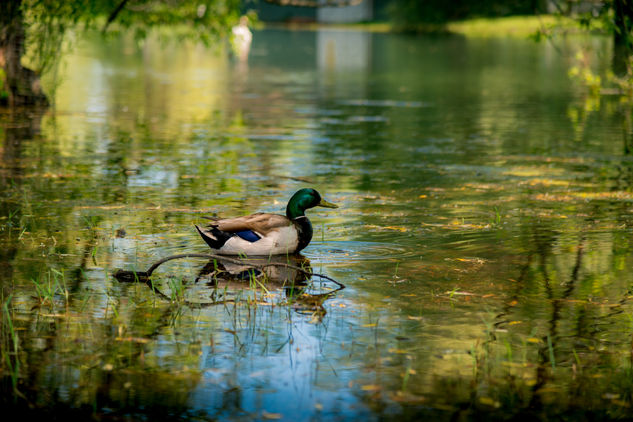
column 569, row 7
column 356, row 11
column 324, row 11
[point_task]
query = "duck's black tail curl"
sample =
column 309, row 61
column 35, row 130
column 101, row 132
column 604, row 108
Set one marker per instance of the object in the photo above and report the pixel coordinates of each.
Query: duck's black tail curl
column 214, row 237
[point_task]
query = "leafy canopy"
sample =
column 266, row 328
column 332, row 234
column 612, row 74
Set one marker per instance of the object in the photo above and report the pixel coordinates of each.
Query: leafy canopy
column 48, row 21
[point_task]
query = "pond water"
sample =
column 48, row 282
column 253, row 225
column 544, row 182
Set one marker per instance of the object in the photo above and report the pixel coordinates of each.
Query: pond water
column 484, row 235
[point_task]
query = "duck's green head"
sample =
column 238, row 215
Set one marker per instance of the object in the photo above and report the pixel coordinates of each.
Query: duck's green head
column 304, row 199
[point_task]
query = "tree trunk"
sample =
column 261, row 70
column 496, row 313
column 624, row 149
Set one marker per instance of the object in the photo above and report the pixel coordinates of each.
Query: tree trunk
column 622, row 43
column 22, row 84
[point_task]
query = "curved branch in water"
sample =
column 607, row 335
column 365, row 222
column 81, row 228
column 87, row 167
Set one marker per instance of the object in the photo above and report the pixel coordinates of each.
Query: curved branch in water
column 131, row 276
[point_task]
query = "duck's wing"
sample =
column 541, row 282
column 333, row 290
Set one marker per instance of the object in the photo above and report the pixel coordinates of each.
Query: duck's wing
column 261, row 223
column 256, row 234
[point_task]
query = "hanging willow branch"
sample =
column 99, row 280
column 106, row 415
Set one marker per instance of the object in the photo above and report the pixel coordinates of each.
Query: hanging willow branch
column 315, row 3
column 143, row 276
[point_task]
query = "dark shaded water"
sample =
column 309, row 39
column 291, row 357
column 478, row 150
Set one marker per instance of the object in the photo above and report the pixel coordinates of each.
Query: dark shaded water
column 484, row 234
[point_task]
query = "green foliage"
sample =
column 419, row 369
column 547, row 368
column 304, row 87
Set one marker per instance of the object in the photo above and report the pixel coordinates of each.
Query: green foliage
column 4, row 95
column 210, row 16
column 414, row 15
column 204, row 20
column 51, row 286
column 48, row 23
column 511, row 26
column 597, row 85
column 614, row 17
column 582, row 73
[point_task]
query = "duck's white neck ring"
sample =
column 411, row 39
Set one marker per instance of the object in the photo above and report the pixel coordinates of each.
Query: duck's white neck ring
column 301, row 216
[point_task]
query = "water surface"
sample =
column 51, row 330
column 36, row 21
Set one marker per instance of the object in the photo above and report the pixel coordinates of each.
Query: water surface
column 483, row 234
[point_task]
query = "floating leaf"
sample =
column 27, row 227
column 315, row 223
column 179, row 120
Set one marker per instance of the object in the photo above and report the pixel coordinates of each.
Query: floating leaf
column 488, row 401
column 404, row 397
column 133, row 339
column 458, row 293
column 396, row 228
column 257, row 374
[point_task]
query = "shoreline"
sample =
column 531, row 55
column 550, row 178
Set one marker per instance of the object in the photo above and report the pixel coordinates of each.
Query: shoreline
column 510, row 26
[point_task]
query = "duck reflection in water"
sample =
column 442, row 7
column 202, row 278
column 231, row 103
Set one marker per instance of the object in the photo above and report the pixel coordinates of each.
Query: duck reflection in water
column 292, row 273
column 280, row 270
column 229, row 276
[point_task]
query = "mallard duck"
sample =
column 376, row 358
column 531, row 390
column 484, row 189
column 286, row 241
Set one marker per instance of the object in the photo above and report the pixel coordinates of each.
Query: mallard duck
column 266, row 234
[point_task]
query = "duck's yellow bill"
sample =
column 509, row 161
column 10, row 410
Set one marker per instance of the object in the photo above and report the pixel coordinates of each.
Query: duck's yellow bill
column 326, row 204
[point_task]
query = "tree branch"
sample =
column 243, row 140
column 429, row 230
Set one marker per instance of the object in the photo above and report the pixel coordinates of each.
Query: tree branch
column 114, row 14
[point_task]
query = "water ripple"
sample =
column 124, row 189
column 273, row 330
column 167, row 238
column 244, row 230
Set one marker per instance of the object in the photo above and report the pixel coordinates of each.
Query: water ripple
column 354, row 251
